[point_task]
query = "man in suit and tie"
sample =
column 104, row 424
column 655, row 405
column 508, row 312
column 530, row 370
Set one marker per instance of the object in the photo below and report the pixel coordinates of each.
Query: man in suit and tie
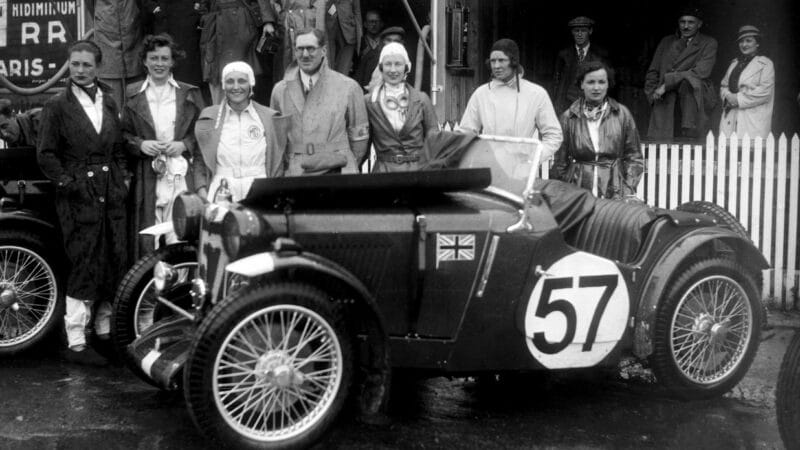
column 678, row 82
column 568, row 60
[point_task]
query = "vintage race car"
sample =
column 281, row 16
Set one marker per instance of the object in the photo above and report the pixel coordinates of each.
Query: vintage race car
column 313, row 289
column 31, row 259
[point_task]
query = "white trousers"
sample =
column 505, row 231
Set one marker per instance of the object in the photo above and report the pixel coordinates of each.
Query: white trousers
column 79, row 315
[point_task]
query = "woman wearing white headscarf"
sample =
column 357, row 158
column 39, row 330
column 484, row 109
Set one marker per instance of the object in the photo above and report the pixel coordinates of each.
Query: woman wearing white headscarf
column 400, row 117
column 239, row 139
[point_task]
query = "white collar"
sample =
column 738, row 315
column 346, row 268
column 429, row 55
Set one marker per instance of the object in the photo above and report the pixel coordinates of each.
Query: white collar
column 304, row 77
column 578, row 49
column 249, row 109
column 170, row 81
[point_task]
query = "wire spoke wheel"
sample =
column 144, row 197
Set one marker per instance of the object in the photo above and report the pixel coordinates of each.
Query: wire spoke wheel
column 28, row 295
column 707, row 328
column 711, row 329
column 147, row 309
column 277, row 372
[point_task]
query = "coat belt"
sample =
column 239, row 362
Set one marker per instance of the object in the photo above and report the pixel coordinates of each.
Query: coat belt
column 321, row 147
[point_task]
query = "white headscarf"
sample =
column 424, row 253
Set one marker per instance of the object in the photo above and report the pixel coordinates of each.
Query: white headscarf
column 239, row 66
column 394, row 48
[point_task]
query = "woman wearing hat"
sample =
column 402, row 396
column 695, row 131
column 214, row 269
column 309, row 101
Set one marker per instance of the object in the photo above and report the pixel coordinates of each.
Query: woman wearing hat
column 400, row 116
column 600, row 151
column 748, row 89
column 239, row 139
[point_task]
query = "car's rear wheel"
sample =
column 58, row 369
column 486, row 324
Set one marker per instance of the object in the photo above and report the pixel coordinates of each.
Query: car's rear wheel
column 724, row 218
column 270, row 368
column 31, row 297
column 136, row 307
column 707, row 329
column 787, row 396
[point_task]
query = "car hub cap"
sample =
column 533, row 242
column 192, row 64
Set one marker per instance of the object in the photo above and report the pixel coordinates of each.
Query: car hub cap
column 277, row 373
column 146, row 304
column 27, row 294
column 710, row 329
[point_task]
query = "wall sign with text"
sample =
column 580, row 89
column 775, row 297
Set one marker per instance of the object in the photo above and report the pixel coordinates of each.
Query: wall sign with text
column 34, row 37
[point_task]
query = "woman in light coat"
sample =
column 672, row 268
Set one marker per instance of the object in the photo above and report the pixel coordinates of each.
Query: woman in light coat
column 748, row 89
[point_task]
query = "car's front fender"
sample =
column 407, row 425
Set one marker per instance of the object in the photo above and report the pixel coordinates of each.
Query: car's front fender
column 315, row 269
column 665, row 268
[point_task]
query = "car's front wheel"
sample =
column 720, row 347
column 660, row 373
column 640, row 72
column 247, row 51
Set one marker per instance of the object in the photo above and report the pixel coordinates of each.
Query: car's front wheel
column 707, row 329
column 136, row 307
column 270, row 368
column 787, row 395
column 31, row 298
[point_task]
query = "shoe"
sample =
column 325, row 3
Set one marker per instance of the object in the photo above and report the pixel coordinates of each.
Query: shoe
column 86, row 357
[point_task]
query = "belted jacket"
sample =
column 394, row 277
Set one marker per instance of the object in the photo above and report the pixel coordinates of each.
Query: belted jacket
column 397, row 151
column 618, row 162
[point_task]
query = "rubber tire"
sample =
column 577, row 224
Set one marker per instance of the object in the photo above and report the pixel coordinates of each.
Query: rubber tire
column 124, row 307
column 664, row 368
column 198, row 377
column 39, row 246
column 787, row 396
column 724, row 218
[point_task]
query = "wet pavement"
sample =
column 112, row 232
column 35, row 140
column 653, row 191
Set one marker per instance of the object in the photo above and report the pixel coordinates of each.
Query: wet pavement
column 46, row 403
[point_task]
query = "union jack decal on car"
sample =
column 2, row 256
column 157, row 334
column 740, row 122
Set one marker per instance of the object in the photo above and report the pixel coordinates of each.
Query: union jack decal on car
column 455, row 247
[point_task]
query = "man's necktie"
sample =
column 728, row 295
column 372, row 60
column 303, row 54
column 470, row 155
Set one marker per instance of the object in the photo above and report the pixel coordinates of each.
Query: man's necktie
column 581, row 54
column 310, row 85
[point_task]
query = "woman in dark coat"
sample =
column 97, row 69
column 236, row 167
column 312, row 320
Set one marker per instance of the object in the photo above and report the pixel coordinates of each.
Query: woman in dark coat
column 150, row 143
column 80, row 150
column 400, row 117
column 600, row 150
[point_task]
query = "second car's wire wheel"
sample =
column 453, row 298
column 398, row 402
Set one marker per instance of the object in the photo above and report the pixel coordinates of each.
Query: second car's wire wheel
column 710, row 329
column 277, row 372
column 147, row 303
column 28, row 294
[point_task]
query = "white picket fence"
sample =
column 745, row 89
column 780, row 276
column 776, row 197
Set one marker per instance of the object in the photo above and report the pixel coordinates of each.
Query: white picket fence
column 755, row 180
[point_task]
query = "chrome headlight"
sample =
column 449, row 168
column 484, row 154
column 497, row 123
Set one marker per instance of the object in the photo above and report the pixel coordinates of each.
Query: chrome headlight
column 187, row 212
column 164, row 276
column 241, row 228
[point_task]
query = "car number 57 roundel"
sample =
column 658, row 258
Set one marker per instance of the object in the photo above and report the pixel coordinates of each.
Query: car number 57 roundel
column 577, row 312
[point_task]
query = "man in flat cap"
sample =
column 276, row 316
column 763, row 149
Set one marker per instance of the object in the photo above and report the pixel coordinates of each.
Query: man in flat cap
column 678, row 82
column 568, row 60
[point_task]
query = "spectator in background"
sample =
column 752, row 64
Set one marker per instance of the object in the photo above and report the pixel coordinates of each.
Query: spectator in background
column 343, row 28
column 678, row 82
column 240, row 140
column 158, row 126
column 748, row 89
column 568, row 59
column 21, row 129
column 230, row 30
column 400, row 117
column 509, row 105
column 371, row 45
column 118, row 32
column 81, row 151
column 329, row 125
column 600, row 151
column 180, row 19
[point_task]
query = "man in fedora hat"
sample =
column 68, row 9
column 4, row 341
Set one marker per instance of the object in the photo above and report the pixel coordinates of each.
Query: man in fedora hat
column 568, row 60
column 678, row 82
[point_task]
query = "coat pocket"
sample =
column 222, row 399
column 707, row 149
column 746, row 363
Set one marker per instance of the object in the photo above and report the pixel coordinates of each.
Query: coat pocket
column 83, row 203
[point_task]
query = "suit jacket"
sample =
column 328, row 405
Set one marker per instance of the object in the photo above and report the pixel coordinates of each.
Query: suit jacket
column 208, row 128
column 420, row 122
column 566, row 69
column 137, row 125
column 349, row 14
column 756, row 97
